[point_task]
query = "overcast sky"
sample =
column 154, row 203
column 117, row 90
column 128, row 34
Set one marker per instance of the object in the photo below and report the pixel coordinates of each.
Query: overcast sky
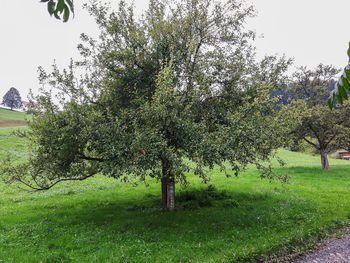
column 311, row 31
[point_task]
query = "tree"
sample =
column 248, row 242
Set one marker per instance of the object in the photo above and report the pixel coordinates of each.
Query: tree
column 320, row 127
column 12, row 99
column 174, row 91
column 61, row 9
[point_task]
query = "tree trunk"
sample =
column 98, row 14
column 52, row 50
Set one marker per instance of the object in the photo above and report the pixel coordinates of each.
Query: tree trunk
column 168, row 187
column 324, row 160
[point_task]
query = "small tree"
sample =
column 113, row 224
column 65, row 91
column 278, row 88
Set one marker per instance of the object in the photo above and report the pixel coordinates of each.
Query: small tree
column 320, row 127
column 177, row 90
column 12, row 99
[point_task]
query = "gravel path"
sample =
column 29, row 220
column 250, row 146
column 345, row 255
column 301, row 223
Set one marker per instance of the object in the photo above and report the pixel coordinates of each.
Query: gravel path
column 334, row 250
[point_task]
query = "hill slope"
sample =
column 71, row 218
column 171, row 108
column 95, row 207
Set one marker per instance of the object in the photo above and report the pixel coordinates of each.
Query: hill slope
column 10, row 118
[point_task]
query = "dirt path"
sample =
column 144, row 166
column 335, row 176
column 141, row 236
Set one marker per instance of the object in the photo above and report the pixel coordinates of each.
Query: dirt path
column 334, row 250
column 4, row 123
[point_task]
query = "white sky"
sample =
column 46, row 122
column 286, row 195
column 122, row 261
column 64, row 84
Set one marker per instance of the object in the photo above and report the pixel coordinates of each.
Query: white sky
column 311, row 31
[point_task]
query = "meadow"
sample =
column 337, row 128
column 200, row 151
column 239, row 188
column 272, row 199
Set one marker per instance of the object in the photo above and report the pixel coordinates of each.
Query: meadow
column 237, row 219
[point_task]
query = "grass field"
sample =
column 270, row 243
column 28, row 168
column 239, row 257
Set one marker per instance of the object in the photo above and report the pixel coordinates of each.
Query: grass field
column 241, row 219
column 10, row 118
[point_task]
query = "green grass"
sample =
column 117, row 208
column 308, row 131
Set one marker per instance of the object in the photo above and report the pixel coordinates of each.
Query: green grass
column 10, row 118
column 12, row 115
column 244, row 219
column 12, row 144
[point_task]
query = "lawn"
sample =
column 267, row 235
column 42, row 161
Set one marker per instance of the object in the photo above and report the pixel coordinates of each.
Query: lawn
column 240, row 219
column 12, row 144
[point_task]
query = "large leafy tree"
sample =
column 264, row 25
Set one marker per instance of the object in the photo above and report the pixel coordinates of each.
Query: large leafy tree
column 12, row 99
column 320, row 127
column 174, row 91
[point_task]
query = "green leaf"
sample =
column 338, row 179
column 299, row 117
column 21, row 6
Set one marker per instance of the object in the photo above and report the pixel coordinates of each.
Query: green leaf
column 56, row 14
column 339, row 99
column 347, row 72
column 66, row 14
column 345, row 83
column 51, row 7
column 70, row 3
column 342, row 92
column 338, row 96
column 330, row 102
column 71, row 7
column 60, row 6
column 44, row 1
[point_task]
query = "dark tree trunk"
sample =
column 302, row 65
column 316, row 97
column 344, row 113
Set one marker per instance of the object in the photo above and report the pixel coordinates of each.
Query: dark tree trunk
column 168, row 187
column 324, row 160
column 164, row 192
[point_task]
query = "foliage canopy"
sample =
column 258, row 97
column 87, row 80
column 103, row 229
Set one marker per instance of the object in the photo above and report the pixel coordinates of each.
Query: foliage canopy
column 175, row 90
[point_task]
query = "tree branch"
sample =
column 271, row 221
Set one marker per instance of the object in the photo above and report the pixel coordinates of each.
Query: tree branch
column 315, row 133
column 311, row 143
column 41, row 188
column 88, row 158
column 330, row 140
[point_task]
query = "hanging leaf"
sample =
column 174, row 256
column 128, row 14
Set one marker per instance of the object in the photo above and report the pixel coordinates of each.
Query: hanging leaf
column 51, row 7
column 70, row 3
column 56, row 15
column 57, row 7
column 330, row 102
column 66, row 14
column 347, row 72
column 346, row 83
column 331, row 99
column 60, row 6
column 342, row 92
column 339, row 99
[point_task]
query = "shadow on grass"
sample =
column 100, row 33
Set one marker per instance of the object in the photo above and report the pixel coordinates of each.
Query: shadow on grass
column 201, row 211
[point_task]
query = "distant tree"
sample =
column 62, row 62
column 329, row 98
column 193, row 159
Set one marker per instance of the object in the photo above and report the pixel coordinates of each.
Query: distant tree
column 12, row 99
column 320, row 127
column 61, row 9
column 175, row 91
